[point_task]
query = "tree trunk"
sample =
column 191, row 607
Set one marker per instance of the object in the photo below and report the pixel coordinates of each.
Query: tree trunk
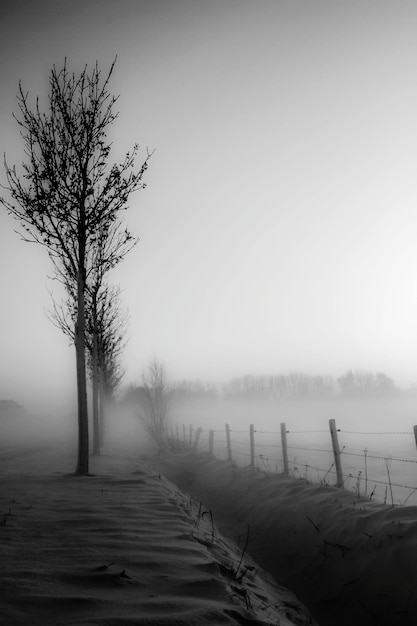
column 96, row 423
column 102, row 408
column 83, row 443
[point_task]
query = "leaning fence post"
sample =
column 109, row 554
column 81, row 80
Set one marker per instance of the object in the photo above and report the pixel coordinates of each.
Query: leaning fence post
column 252, row 446
column 196, row 438
column 229, row 444
column 284, row 447
column 211, row 442
column 415, row 434
column 336, row 453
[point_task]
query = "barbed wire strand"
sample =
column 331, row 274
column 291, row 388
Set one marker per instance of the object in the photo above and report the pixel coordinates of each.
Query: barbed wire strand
column 307, row 466
column 357, row 432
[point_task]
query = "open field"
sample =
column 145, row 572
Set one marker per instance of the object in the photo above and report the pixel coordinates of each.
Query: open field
column 349, row 560
column 187, row 539
column 376, row 439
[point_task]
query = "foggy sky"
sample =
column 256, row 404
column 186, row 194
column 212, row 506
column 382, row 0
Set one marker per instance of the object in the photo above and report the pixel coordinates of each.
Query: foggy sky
column 278, row 229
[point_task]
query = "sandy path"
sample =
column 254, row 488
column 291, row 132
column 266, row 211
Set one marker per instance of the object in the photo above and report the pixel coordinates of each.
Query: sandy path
column 120, row 547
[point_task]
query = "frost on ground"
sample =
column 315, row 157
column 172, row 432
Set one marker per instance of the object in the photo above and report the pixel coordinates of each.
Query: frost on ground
column 123, row 546
column 349, row 560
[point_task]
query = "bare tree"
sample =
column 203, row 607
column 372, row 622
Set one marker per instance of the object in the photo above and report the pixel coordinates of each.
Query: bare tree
column 105, row 340
column 68, row 197
column 105, row 323
column 112, row 244
column 107, row 333
column 152, row 398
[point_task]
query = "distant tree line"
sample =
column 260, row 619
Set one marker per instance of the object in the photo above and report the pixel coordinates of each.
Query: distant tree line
column 302, row 385
column 359, row 383
column 153, row 397
column 294, row 385
column 194, row 390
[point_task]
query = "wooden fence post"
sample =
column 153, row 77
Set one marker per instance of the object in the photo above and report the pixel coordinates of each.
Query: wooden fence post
column 336, row 453
column 252, row 446
column 229, row 444
column 177, row 431
column 284, row 447
column 415, row 434
column 191, row 435
column 211, row 442
column 184, row 433
column 196, row 438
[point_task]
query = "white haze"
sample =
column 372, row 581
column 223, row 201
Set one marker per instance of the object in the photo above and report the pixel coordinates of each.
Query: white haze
column 386, row 414
column 277, row 232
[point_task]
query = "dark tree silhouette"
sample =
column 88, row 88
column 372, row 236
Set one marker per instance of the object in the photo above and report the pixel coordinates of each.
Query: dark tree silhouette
column 106, row 340
column 112, row 244
column 68, row 197
column 151, row 401
column 105, row 327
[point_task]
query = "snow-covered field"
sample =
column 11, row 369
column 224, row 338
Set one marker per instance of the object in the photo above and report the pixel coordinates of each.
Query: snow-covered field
column 349, row 560
column 186, row 539
column 376, row 439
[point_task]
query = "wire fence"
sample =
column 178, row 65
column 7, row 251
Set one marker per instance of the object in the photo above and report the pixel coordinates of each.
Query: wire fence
column 359, row 461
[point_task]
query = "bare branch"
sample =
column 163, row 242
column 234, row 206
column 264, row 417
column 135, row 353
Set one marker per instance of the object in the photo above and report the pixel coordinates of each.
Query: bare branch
column 67, row 197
